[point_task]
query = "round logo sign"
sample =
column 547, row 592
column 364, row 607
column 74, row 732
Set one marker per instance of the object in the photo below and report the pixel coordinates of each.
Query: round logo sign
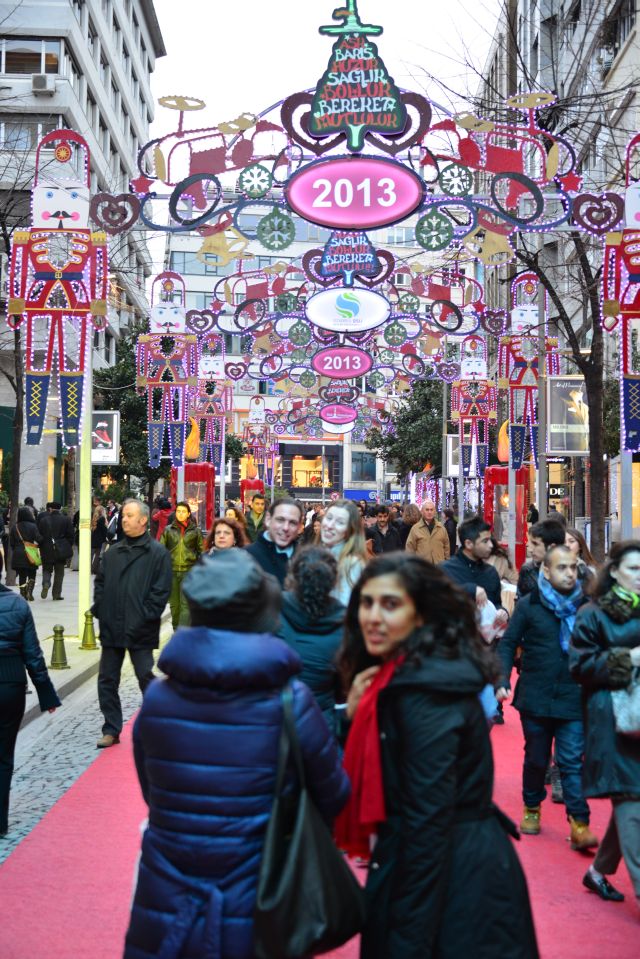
column 338, row 414
column 342, row 362
column 347, row 309
column 354, row 193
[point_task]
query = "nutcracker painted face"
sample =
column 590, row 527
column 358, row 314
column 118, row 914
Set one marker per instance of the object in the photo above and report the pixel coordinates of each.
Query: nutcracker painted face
column 167, row 318
column 210, row 367
column 524, row 319
column 632, row 206
column 473, row 363
column 60, row 206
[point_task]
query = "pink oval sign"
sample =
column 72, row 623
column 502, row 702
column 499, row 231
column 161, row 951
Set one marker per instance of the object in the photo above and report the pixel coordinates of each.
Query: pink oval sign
column 354, row 193
column 338, row 413
column 341, row 362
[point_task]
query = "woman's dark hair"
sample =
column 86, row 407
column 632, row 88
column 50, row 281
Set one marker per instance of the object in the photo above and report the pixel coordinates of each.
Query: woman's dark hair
column 585, row 553
column 497, row 549
column 449, row 615
column 240, row 536
column 312, row 575
column 185, row 504
column 24, row 515
column 617, row 553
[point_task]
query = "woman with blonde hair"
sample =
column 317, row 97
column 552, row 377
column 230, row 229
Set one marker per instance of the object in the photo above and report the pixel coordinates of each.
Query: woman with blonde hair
column 98, row 536
column 342, row 533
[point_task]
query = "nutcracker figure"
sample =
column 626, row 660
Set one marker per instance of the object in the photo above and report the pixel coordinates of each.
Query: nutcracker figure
column 207, row 405
column 518, row 365
column 167, row 367
column 58, row 282
column 621, row 300
column 474, row 403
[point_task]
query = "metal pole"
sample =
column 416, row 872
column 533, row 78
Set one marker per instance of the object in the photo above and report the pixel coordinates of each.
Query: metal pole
column 626, row 494
column 180, row 485
column 223, row 465
column 511, row 529
column 445, row 427
column 84, row 498
column 322, row 471
column 542, row 407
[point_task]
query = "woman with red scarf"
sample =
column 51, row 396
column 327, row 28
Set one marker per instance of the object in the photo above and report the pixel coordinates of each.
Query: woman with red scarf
column 444, row 880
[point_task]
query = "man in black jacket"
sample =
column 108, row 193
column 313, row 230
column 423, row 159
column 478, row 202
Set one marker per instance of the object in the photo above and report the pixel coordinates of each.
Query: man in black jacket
column 274, row 548
column 130, row 593
column 469, row 569
column 386, row 536
column 542, row 536
column 547, row 698
column 56, row 548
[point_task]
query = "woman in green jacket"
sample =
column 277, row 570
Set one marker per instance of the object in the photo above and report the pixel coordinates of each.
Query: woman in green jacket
column 183, row 538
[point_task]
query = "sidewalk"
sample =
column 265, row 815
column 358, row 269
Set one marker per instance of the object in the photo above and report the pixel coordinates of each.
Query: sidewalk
column 83, row 664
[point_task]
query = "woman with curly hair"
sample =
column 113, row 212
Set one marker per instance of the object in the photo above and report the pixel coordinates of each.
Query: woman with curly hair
column 311, row 623
column 225, row 533
column 234, row 512
column 342, row 533
column 444, row 879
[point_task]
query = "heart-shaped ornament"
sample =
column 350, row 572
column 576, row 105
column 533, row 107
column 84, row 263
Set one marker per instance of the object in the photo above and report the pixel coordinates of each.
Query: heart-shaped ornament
column 598, row 214
column 294, row 116
column 235, row 371
column 448, row 371
column 114, row 214
column 200, row 321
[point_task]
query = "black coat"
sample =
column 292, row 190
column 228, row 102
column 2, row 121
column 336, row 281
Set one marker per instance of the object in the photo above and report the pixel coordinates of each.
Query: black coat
column 612, row 762
column 389, row 542
column 469, row 574
column 99, row 534
column 264, row 552
column 444, row 879
column 316, row 642
column 545, row 686
column 131, row 591
column 20, row 651
column 29, row 533
column 57, row 537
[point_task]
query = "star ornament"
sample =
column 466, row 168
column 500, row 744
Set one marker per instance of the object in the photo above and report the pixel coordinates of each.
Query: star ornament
column 141, row 185
column 571, row 182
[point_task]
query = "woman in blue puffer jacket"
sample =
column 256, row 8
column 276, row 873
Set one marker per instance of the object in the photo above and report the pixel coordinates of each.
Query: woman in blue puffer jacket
column 206, row 749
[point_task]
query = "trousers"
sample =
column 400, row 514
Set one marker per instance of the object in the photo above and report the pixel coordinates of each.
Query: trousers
column 111, row 660
column 539, row 734
column 177, row 602
column 621, row 841
column 58, row 575
column 12, row 704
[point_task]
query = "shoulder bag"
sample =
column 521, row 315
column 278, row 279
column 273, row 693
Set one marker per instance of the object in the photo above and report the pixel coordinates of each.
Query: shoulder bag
column 626, row 706
column 31, row 549
column 308, row 899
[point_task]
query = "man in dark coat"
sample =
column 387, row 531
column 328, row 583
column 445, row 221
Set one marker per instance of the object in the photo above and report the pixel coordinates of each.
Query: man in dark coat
column 386, row 536
column 256, row 521
column 274, row 548
column 56, row 548
column 469, row 569
column 542, row 536
column 130, row 593
column 548, row 700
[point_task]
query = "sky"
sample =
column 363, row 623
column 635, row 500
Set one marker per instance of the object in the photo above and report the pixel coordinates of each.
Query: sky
column 244, row 55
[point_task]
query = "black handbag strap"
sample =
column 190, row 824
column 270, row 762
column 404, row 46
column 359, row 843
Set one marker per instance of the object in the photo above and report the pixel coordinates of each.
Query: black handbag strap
column 289, row 743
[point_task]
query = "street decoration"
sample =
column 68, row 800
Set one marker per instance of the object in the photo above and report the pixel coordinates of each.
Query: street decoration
column 167, row 368
column 58, row 281
column 519, row 358
column 474, row 404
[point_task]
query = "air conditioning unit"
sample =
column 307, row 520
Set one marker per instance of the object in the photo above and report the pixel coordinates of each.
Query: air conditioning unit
column 43, row 84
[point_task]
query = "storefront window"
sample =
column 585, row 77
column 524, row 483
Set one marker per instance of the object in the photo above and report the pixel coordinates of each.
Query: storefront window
column 363, row 466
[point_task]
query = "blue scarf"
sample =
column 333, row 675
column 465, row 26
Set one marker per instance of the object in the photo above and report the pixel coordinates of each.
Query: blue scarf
column 563, row 607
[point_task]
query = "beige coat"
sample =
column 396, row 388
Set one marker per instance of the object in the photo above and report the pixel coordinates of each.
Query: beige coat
column 434, row 546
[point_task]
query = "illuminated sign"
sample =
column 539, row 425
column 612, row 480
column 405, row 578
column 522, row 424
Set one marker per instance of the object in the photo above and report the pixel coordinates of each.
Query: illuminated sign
column 347, row 310
column 354, row 193
column 342, row 362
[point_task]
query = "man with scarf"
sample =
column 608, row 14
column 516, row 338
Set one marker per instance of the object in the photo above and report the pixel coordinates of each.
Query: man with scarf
column 548, row 700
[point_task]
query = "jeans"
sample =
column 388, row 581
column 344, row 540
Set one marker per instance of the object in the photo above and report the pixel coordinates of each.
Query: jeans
column 111, row 660
column 539, row 734
column 58, row 575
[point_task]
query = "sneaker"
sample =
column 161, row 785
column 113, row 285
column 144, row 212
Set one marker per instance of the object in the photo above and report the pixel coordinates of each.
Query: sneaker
column 107, row 740
column 602, row 887
column 530, row 824
column 581, row 837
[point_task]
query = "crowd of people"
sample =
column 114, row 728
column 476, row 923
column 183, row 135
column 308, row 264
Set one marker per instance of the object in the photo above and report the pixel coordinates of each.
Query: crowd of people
column 398, row 634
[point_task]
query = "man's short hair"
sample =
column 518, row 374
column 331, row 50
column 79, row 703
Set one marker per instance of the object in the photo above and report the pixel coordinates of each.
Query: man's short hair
column 381, row 508
column 286, row 501
column 550, row 531
column 28, row 501
column 556, row 548
column 257, row 496
column 471, row 529
column 142, row 506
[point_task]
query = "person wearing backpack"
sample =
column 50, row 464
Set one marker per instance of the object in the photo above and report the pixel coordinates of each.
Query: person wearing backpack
column 57, row 547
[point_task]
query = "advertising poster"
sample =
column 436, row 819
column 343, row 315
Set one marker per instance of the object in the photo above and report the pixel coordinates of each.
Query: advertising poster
column 105, row 438
column 567, row 416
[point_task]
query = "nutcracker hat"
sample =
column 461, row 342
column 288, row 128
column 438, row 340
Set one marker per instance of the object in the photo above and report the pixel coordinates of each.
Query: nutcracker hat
column 473, row 347
column 62, row 156
column 168, row 287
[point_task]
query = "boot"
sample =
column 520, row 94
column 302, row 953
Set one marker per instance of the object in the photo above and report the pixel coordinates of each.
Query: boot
column 530, row 823
column 23, row 587
column 581, row 837
column 29, row 591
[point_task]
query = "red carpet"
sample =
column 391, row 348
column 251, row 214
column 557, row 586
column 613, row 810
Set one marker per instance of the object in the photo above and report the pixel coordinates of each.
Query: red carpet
column 66, row 889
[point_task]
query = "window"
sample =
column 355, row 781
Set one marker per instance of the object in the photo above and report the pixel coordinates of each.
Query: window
column 92, row 40
column 187, row 264
column 26, row 55
column 126, row 61
column 197, row 300
column 24, row 133
column 104, row 71
column 114, row 96
column 363, row 466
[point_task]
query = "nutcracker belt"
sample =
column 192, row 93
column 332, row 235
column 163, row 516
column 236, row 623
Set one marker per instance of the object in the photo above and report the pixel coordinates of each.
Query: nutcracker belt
column 57, row 275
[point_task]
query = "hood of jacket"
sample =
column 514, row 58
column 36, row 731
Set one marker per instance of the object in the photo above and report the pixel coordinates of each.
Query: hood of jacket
column 435, row 673
column 299, row 619
column 200, row 656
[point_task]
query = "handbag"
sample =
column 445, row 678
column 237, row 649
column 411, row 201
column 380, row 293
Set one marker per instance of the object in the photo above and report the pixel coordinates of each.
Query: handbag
column 308, row 900
column 626, row 706
column 31, row 549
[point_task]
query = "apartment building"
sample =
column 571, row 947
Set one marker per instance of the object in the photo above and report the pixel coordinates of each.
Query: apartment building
column 83, row 65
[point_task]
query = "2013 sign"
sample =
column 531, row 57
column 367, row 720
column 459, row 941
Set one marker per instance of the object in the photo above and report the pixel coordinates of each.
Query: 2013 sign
column 341, row 362
column 354, row 193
